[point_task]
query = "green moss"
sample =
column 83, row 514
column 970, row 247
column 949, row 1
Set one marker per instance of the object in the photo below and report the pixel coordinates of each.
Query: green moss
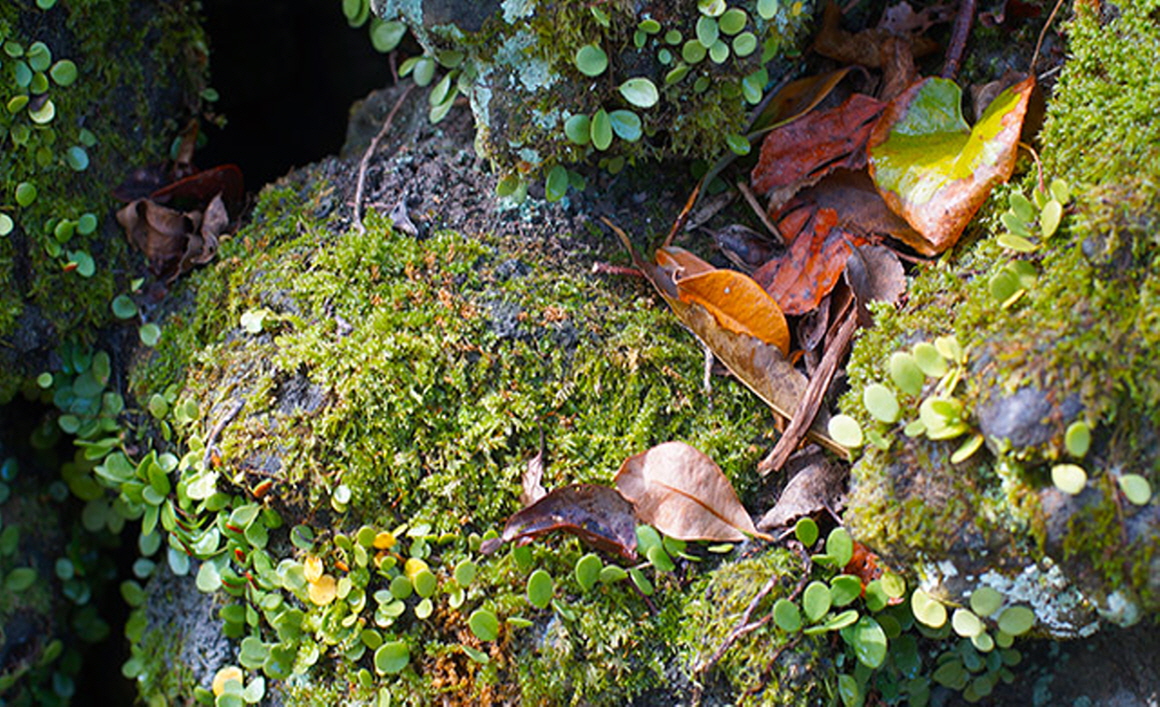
column 715, row 606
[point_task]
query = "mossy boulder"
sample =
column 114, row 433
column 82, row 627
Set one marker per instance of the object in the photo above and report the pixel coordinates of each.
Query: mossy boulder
column 399, row 380
column 91, row 89
column 1078, row 347
column 547, row 80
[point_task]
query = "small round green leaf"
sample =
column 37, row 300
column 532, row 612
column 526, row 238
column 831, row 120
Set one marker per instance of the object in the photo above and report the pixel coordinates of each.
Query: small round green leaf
column 6, row 224
column 1078, row 438
column 591, row 60
column 806, row 531
column 601, row 130
column 86, row 224
column 578, row 129
column 767, row 8
column 707, row 31
column 465, row 573
column 385, row 36
column 849, row 691
column 484, row 624
column 844, row 589
column 983, row 642
column 733, row 21
column 1069, row 478
column 846, row 431
column 881, row 403
column 927, row 610
column 906, row 374
column 929, row 360
column 540, row 589
column 693, row 51
column 77, row 158
column 25, row 193
column 391, row 657
column 1050, row 217
column 640, row 92
column 985, row 601
column 738, row 144
column 63, row 72
column 588, row 571
column 556, row 186
column 786, row 615
column 966, row 624
column 612, row 574
column 840, row 546
column 425, row 583
column 20, row 579
column 744, row 44
column 1016, row 620
column 816, row 601
column 626, row 124
column 1136, row 489
column 149, row 334
column 869, row 642
column 719, row 52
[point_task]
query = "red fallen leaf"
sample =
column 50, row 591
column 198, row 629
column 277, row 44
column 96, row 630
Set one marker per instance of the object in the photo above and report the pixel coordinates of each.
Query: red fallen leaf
column 800, row 153
column 863, row 564
column 935, row 170
column 683, row 493
column 197, row 189
column 598, row 515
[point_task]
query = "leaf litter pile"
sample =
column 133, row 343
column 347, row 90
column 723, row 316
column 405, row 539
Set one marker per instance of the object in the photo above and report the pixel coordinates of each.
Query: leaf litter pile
column 888, row 174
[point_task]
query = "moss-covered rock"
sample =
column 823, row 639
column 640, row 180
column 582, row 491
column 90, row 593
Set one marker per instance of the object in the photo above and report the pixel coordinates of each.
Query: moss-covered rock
column 1079, row 346
column 91, row 89
column 538, row 106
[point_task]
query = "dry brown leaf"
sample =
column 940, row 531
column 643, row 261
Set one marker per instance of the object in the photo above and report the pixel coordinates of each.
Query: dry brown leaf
column 863, row 47
column 820, row 485
column 532, row 487
column 683, row 493
column 875, row 274
column 596, row 514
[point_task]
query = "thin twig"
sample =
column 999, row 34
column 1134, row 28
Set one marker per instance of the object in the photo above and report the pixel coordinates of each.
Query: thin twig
column 803, row 580
column 751, row 199
column 1040, row 184
column 366, row 158
column 684, row 215
column 1042, row 35
column 810, row 402
column 743, row 627
column 959, row 34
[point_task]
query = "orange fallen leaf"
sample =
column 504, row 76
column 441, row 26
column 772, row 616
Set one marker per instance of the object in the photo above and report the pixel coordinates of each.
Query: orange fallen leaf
column 738, row 304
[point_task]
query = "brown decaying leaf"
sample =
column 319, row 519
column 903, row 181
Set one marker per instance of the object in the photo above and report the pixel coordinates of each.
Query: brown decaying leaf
column 745, row 247
column 797, row 98
column 532, row 487
column 875, row 274
column 760, row 366
column 174, row 242
column 821, row 485
column 863, row 48
column 598, row 515
column 684, row 494
column 800, row 153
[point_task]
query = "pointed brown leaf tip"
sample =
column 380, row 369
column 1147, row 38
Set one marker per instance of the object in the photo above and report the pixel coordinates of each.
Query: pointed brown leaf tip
column 598, row 515
column 683, row 493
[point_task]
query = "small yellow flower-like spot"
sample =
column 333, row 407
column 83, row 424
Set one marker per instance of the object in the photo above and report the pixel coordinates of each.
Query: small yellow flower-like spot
column 230, row 672
column 324, row 590
column 312, row 568
column 384, row 541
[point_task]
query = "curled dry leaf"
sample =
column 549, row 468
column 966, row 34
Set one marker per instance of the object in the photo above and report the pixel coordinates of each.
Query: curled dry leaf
column 745, row 247
column 934, row 169
column 684, row 494
column 762, row 367
column 800, row 153
column 532, row 486
column 865, row 47
column 596, row 514
column 875, row 274
column 821, row 485
column 173, row 242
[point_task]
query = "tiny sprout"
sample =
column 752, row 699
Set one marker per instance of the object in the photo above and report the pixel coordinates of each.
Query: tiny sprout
column 385, row 36
column 1077, row 439
column 25, row 193
column 1022, row 207
column 786, row 615
column 591, row 60
column 1016, row 620
column 1069, row 478
column 587, row 571
column 840, row 546
column 1136, row 489
column 678, row 73
column 484, row 624
column 649, row 26
column 846, row 431
column 63, row 72
column 660, row 559
column 556, row 186
column 124, row 307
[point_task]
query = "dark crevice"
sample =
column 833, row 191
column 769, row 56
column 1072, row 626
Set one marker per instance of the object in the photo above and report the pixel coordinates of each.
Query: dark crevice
column 287, row 72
